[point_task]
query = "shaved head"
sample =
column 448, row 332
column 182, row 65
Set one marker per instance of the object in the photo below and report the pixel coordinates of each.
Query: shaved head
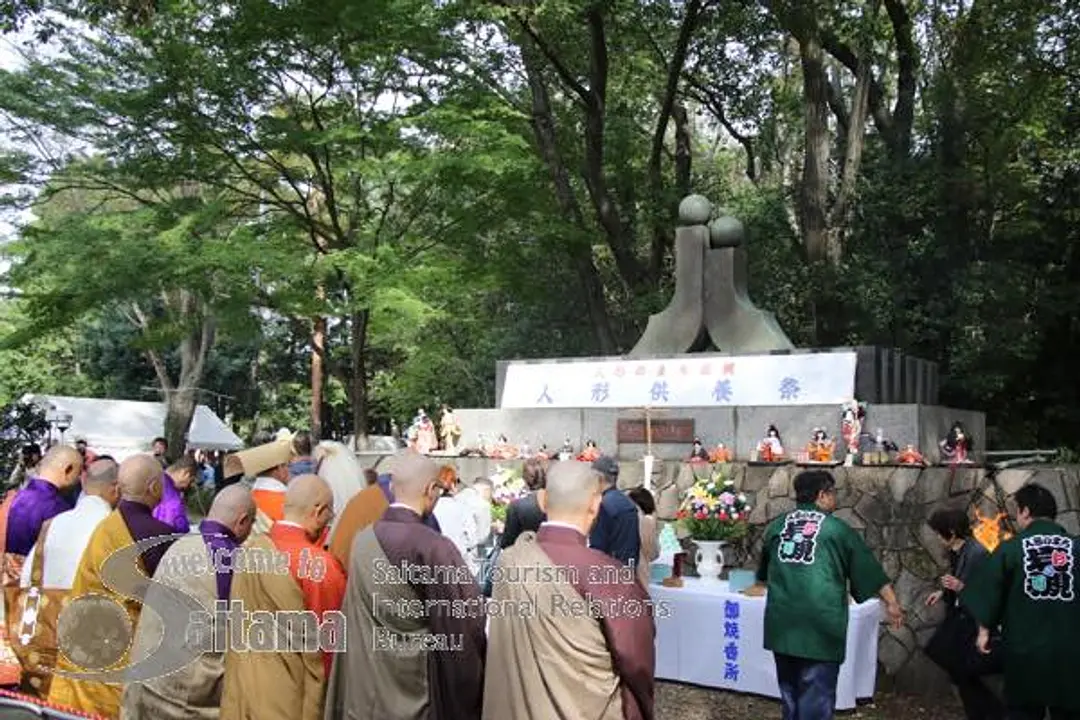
column 234, row 508
column 140, row 479
column 571, row 486
column 411, row 476
column 61, row 466
column 309, row 502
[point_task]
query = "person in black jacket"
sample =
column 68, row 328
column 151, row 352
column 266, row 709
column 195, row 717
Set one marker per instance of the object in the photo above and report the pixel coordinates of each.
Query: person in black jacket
column 525, row 513
column 616, row 532
column 953, row 645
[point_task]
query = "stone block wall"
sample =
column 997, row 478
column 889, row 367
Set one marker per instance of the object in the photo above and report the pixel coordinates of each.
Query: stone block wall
column 889, row 507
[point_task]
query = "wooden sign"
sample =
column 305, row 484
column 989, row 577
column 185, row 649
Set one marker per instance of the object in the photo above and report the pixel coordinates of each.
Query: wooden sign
column 677, row 432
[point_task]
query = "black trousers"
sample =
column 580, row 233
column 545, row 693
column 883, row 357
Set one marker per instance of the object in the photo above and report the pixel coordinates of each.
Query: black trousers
column 953, row 649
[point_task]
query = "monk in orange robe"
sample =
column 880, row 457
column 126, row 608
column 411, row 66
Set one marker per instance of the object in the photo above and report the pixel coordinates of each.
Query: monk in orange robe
column 287, row 684
column 269, row 465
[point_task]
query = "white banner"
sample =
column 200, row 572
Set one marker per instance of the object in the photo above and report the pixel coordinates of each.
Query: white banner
column 802, row 379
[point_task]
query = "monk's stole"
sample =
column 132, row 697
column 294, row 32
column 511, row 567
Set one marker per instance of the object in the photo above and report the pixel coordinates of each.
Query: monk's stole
column 30, row 619
column 544, row 659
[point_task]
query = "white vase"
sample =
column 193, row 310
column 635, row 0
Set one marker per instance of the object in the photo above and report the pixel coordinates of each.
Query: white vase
column 709, row 559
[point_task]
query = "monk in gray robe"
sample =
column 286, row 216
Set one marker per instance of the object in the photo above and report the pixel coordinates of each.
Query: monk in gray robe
column 201, row 566
column 414, row 613
column 571, row 628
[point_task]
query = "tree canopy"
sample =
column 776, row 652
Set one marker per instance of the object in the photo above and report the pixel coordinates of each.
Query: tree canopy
column 363, row 206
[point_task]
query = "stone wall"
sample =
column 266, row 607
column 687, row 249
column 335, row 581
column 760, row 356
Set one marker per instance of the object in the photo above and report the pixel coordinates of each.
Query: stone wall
column 889, row 507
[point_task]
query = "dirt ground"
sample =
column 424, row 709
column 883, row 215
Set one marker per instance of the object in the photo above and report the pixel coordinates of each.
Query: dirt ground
column 687, row 702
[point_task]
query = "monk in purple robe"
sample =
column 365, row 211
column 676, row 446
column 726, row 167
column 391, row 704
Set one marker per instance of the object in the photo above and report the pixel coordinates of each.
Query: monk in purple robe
column 42, row 499
column 409, row 664
column 571, row 628
column 174, row 482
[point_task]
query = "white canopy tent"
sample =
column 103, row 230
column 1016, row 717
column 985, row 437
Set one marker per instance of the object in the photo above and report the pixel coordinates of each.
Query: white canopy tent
column 122, row 428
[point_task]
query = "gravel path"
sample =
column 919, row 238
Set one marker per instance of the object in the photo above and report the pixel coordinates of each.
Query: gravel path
column 687, row 702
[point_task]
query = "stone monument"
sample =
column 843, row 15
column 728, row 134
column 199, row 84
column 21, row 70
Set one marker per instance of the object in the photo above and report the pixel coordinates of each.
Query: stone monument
column 711, row 303
column 715, row 366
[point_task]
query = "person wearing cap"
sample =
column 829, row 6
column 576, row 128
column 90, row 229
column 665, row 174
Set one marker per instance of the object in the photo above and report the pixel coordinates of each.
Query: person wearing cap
column 616, row 532
column 269, row 465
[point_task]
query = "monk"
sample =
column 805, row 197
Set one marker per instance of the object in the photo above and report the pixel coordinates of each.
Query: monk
column 131, row 522
column 287, row 684
column 41, row 500
column 555, row 659
column 269, row 465
column 175, row 482
column 409, row 665
column 21, row 519
column 194, row 692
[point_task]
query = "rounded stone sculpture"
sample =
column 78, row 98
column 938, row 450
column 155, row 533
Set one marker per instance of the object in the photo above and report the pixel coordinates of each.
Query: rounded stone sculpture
column 725, row 232
column 694, row 210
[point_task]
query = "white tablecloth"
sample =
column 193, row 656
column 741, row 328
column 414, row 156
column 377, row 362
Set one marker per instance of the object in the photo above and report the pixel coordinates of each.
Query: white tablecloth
column 696, row 642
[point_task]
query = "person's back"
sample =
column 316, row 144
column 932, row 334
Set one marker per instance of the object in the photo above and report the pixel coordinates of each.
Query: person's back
column 617, row 532
column 524, row 514
column 1029, row 586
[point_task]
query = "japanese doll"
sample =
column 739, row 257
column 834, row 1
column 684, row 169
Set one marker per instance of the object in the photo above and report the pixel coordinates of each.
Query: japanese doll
column 956, row 447
column 449, row 429
column 503, row 450
column 698, row 454
column 589, row 453
column 771, row 449
column 567, row 450
column 721, row 454
column 853, row 414
column 820, row 448
column 910, row 456
column 425, row 433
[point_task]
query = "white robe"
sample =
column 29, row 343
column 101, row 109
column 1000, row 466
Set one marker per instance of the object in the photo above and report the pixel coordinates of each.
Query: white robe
column 457, row 524
column 68, row 536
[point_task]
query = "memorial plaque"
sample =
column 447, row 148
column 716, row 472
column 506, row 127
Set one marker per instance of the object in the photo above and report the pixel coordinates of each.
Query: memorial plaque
column 680, row 432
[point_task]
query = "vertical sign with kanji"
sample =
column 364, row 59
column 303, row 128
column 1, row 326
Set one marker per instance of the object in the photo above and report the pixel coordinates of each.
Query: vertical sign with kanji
column 731, row 641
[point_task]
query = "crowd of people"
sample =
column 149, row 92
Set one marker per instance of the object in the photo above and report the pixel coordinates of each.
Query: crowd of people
column 422, row 606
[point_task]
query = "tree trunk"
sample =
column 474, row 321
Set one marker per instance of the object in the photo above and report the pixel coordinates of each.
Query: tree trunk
column 318, row 348
column 358, row 394
column 814, row 195
column 543, row 124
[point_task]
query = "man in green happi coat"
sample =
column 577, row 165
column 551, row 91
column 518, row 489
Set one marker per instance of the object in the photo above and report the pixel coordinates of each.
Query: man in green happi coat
column 1029, row 588
column 809, row 561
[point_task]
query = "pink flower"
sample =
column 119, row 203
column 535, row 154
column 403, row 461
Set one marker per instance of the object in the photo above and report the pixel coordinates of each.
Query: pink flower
column 727, row 498
column 723, row 515
column 1059, row 558
column 809, row 529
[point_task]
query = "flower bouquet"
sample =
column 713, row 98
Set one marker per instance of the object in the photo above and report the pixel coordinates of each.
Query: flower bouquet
column 507, row 486
column 714, row 511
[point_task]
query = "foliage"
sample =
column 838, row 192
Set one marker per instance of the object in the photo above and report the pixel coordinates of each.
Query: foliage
column 714, row 510
column 20, row 423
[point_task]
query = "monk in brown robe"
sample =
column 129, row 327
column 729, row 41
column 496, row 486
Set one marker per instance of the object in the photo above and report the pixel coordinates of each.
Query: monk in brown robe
column 571, row 628
column 361, row 512
column 287, row 684
column 403, row 664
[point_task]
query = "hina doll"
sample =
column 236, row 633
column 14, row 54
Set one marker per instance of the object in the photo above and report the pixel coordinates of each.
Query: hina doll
column 503, row 450
column 771, row 449
column 589, row 453
column 698, row 453
column 449, row 429
column 425, row 433
column 820, row 449
column 721, row 454
column 567, row 450
column 851, row 429
column 956, row 447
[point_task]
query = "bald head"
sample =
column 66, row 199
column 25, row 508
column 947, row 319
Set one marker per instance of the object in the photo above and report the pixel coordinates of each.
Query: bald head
column 140, row 480
column 572, row 494
column 309, row 502
column 234, row 508
column 102, row 480
column 61, row 466
column 412, row 476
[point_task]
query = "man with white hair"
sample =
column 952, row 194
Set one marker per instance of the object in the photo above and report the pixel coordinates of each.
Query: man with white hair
column 561, row 660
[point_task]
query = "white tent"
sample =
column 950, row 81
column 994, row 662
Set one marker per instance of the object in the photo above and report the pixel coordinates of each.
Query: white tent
column 125, row 427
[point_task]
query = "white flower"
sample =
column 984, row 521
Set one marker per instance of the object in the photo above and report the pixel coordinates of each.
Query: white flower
column 742, row 497
column 729, row 483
